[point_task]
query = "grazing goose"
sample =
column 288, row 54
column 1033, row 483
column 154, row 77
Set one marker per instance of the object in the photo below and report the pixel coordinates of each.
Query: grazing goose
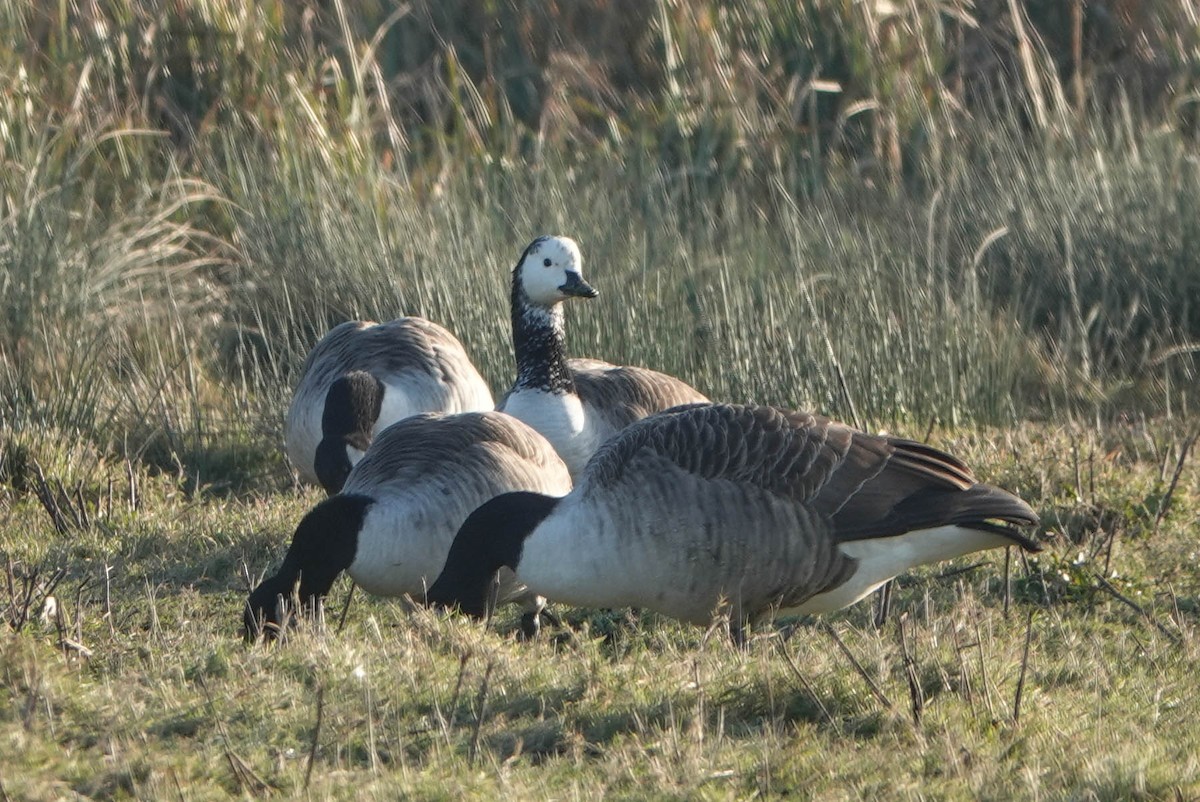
column 393, row 522
column 761, row 508
column 363, row 376
column 576, row 404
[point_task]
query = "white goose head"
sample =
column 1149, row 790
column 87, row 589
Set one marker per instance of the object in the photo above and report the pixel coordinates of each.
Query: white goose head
column 550, row 272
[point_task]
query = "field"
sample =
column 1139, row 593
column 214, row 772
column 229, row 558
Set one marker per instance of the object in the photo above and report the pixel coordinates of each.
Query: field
column 966, row 225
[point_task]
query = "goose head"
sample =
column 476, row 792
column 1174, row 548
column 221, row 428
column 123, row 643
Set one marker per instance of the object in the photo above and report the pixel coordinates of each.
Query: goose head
column 550, row 272
column 492, row 537
column 352, row 407
column 323, row 546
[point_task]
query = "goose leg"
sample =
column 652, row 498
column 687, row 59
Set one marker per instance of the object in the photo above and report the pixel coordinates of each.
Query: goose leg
column 737, row 633
column 531, row 625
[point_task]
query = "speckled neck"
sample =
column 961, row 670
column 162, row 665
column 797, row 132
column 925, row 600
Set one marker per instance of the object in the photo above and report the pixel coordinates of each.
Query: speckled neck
column 540, row 344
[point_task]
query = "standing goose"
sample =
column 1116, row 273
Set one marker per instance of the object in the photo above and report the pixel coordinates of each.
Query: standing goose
column 363, row 376
column 577, row 404
column 392, row 524
column 762, row 508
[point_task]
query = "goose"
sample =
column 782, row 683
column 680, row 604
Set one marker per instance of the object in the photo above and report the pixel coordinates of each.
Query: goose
column 363, row 376
column 393, row 522
column 577, row 404
column 763, row 509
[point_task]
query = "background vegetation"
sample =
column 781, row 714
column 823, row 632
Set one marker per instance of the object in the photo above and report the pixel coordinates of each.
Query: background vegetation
column 971, row 221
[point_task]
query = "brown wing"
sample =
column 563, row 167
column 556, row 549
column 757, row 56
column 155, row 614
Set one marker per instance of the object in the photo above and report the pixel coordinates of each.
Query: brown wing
column 865, row 486
column 621, row 395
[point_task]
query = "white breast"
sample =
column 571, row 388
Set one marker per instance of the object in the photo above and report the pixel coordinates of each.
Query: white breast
column 558, row 417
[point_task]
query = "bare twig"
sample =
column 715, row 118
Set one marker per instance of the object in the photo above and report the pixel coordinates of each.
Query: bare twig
column 1121, row 597
column 915, row 695
column 346, row 606
column 370, row 723
column 312, row 747
column 807, row 687
column 879, row 694
column 884, row 603
column 79, row 608
column 481, row 704
column 108, row 613
column 247, row 778
column 987, row 688
column 77, row 647
column 963, row 673
column 1024, row 668
column 79, row 509
column 458, row 684
column 1007, row 579
column 133, row 489
column 21, row 592
column 1108, row 548
column 1165, row 506
column 966, row 569
column 49, row 500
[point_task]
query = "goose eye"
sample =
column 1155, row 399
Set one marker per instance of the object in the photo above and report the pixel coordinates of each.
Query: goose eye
column 546, row 262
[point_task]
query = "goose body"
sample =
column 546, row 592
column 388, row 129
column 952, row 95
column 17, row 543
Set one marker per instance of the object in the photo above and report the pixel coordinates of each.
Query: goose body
column 759, row 508
column 576, row 404
column 363, row 376
column 392, row 525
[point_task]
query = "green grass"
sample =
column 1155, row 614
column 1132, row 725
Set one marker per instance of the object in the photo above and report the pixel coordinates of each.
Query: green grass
column 167, row 699
column 969, row 239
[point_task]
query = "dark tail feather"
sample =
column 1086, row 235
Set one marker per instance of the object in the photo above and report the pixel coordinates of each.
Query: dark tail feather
column 980, row 506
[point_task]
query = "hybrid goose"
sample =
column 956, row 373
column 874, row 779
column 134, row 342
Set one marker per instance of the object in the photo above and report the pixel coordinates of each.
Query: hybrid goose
column 577, row 404
column 766, row 510
column 392, row 524
column 363, row 376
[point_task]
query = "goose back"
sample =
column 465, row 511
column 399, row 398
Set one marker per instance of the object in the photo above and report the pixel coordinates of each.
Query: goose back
column 419, row 365
column 426, row 473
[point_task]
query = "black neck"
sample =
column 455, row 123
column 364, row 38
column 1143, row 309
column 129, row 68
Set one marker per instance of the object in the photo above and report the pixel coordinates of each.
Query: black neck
column 493, row 536
column 324, row 545
column 540, row 343
column 352, row 405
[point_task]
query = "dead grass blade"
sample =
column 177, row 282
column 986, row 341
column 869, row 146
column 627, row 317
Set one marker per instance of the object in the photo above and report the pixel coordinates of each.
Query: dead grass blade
column 862, row 672
column 1132, row 605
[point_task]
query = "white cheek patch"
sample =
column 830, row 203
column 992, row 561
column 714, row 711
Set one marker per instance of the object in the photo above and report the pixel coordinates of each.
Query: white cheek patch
column 353, row 454
column 541, row 283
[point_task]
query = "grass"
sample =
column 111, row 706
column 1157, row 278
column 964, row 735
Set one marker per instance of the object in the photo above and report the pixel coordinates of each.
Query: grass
column 986, row 238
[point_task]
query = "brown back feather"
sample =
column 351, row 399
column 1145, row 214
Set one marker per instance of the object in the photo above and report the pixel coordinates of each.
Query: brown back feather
column 622, row 395
column 866, row 485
